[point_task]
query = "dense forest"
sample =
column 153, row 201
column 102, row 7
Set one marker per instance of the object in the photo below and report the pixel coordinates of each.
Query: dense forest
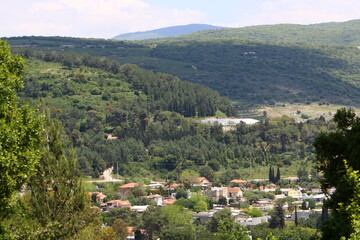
column 153, row 117
column 244, row 70
column 332, row 33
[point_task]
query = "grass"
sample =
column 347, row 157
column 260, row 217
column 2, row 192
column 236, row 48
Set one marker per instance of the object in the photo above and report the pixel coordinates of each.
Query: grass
column 299, row 111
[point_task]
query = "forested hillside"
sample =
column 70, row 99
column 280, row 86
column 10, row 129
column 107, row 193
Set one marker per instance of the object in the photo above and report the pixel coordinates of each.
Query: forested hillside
column 242, row 70
column 146, row 114
column 334, row 33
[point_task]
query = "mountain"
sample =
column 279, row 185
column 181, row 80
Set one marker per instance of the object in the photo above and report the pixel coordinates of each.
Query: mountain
column 166, row 32
column 289, row 68
column 339, row 33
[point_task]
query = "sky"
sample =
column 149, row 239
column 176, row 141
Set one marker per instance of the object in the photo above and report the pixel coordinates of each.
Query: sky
column 109, row 18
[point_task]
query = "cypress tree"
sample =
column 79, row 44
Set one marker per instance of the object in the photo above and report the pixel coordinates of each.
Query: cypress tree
column 270, row 175
column 277, row 175
column 296, row 216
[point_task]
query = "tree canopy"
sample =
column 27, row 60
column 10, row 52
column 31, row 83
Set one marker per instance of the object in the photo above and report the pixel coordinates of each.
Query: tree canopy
column 20, row 130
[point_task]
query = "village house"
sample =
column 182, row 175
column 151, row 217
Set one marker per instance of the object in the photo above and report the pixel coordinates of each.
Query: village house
column 125, row 190
column 216, row 192
column 302, row 214
column 201, row 182
column 139, row 209
column 111, row 137
column 115, row 204
column 169, row 201
column 157, row 198
column 238, row 182
column 100, row 197
column 172, row 187
column 156, row 185
column 234, row 193
column 254, row 221
column 263, row 204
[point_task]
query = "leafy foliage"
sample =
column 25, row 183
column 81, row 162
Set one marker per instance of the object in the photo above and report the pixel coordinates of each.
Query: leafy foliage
column 20, row 131
column 332, row 149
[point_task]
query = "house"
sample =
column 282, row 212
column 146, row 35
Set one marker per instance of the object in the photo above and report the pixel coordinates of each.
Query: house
column 156, row 185
column 263, row 204
column 216, row 192
column 99, row 196
column 116, row 204
column 290, row 192
column 169, row 201
column 254, row 221
column 157, row 198
column 111, row 137
column 302, row 214
column 241, row 217
column 234, row 193
column 201, row 182
column 203, row 217
column 125, row 190
column 139, row 209
column 238, row 182
column 172, row 187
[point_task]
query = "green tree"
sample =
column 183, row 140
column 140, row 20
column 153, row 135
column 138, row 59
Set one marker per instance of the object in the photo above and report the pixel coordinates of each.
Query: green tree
column 278, row 177
column 20, row 131
column 332, row 149
column 229, row 230
column 181, row 193
column 223, row 200
column 308, row 204
column 56, row 201
column 218, row 217
column 120, row 228
column 254, row 212
column 153, row 222
column 277, row 219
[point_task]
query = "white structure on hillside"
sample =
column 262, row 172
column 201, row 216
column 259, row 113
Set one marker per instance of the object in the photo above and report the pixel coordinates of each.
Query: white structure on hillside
column 230, row 121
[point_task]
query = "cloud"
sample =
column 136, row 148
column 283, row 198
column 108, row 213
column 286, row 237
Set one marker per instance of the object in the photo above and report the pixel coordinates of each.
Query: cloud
column 91, row 18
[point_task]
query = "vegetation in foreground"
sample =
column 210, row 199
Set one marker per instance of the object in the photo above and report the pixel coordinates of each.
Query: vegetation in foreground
column 55, row 190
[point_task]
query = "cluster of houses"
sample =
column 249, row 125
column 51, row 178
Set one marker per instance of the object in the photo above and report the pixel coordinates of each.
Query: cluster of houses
column 233, row 192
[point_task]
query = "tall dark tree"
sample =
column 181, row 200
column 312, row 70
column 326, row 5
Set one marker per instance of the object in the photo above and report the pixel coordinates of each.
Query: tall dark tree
column 278, row 177
column 277, row 219
column 56, row 204
column 271, row 176
column 332, row 149
column 296, row 216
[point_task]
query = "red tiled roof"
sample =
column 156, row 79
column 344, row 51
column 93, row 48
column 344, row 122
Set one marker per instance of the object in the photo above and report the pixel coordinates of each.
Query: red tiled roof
column 169, row 201
column 174, row 185
column 154, row 196
column 234, row 190
column 201, row 180
column 238, row 181
column 128, row 185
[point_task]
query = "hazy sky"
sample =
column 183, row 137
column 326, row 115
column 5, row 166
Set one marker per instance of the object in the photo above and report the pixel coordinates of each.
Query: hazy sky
column 108, row 18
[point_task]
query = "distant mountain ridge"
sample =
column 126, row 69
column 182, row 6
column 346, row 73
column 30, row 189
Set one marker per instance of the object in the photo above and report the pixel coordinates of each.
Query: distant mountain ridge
column 166, row 32
column 334, row 33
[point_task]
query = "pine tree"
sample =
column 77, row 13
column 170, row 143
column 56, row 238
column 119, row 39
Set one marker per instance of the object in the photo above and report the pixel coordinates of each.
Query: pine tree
column 277, row 219
column 57, row 201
